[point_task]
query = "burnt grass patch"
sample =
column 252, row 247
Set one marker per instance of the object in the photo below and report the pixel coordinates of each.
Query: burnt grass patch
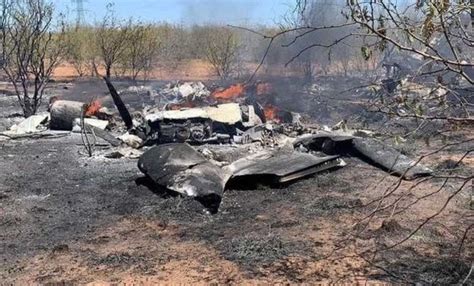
column 450, row 166
column 123, row 261
column 407, row 266
column 117, row 260
column 254, row 250
column 258, row 253
column 330, row 205
column 53, row 196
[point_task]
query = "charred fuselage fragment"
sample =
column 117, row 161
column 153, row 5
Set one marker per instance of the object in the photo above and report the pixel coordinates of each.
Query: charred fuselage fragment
column 211, row 124
column 389, row 158
column 180, row 168
column 368, row 149
column 282, row 166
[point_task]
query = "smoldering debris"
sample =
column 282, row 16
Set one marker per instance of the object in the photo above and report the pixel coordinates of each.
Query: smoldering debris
column 194, row 140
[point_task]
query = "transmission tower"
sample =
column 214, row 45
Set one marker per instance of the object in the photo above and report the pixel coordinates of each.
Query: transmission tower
column 80, row 12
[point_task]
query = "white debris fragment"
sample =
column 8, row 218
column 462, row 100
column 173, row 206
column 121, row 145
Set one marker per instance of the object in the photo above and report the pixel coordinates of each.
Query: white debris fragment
column 101, row 124
column 126, row 152
column 229, row 113
column 31, row 124
column 104, row 113
column 131, row 140
column 188, row 90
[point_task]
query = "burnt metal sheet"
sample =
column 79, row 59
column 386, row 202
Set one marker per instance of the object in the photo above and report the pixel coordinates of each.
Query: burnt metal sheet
column 228, row 113
column 330, row 143
column 178, row 114
column 180, row 168
column 284, row 165
column 312, row 138
column 389, row 158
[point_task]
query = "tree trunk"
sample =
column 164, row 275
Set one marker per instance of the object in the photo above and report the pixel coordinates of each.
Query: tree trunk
column 108, row 73
column 27, row 108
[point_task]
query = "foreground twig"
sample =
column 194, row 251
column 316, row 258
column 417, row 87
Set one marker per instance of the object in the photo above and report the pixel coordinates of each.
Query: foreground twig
column 88, row 145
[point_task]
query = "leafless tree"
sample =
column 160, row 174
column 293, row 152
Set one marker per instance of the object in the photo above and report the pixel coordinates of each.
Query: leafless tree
column 112, row 36
column 30, row 49
column 222, row 52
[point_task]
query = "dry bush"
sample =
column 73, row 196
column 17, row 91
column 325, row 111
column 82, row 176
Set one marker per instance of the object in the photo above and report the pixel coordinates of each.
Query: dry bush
column 222, row 52
column 141, row 50
column 30, row 50
column 80, row 49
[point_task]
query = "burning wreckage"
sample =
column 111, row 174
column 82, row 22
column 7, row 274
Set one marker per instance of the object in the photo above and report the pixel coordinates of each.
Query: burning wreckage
column 196, row 141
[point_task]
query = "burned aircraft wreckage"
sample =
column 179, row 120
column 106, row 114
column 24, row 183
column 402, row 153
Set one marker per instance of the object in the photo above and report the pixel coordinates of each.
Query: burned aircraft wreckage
column 196, row 141
column 238, row 134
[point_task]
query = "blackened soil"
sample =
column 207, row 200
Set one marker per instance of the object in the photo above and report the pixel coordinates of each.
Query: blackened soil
column 55, row 201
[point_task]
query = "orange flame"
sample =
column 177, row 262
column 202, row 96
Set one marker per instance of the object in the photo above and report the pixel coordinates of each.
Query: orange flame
column 271, row 113
column 93, row 107
column 229, row 94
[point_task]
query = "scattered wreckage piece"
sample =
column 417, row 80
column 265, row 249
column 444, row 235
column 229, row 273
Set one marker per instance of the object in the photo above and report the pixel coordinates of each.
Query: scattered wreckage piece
column 267, row 134
column 125, row 152
column 228, row 113
column 63, row 113
column 253, row 134
column 29, row 125
column 105, row 135
column 66, row 115
column 249, row 116
column 198, row 125
column 131, row 140
column 179, row 167
column 100, row 124
column 330, row 143
column 63, row 118
column 368, row 149
column 283, row 165
column 97, row 127
column 390, row 159
column 188, row 91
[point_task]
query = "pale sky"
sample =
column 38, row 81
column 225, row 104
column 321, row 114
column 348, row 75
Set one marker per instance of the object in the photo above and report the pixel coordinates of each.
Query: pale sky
column 264, row 12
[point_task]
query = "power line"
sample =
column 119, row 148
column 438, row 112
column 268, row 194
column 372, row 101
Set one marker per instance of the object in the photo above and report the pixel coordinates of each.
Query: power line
column 80, row 12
